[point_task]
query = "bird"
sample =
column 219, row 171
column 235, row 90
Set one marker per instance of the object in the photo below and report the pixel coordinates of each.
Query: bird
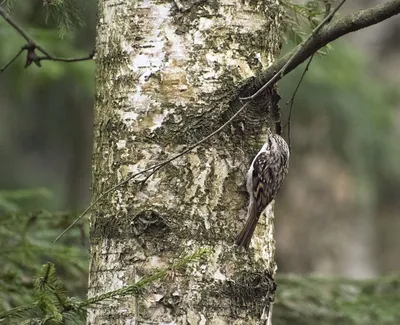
column 264, row 179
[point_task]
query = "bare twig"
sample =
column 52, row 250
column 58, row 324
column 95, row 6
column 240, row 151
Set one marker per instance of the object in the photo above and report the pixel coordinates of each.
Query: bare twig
column 13, row 24
column 12, row 60
column 291, row 100
column 32, row 45
column 68, row 60
column 297, row 56
column 154, row 168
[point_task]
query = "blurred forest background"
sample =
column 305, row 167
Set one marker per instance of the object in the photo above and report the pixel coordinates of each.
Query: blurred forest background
column 337, row 214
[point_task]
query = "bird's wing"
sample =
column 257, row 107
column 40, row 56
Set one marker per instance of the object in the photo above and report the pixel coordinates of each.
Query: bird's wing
column 262, row 181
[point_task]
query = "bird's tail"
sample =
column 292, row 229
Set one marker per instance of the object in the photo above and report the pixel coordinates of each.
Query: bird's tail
column 244, row 237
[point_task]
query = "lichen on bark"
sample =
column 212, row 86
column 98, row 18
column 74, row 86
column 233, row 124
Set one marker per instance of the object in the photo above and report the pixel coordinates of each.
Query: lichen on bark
column 167, row 75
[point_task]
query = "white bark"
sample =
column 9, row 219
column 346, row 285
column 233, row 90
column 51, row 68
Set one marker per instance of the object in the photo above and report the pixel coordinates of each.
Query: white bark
column 166, row 77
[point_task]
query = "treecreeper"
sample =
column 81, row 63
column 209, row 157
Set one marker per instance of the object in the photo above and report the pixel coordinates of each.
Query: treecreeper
column 264, row 179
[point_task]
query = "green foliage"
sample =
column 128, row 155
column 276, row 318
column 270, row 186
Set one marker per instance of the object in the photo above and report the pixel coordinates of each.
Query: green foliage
column 52, row 306
column 301, row 19
column 49, row 294
column 12, row 201
column 317, row 301
column 8, row 4
column 26, row 241
column 66, row 14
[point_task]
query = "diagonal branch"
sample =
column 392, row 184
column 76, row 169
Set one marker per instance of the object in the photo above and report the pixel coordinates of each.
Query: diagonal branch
column 12, row 60
column 151, row 169
column 275, row 72
column 155, row 168
column 13, row 24
column 31, row 45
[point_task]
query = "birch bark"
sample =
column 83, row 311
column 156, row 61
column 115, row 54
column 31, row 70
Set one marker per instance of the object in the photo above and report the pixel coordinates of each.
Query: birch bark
column 167, row 75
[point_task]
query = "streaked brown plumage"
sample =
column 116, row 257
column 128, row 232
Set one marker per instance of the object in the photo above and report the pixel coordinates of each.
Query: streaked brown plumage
column 264, row 180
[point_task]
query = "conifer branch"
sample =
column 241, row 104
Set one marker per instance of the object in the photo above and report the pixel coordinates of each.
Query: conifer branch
column 138, row 287
column 52, row 303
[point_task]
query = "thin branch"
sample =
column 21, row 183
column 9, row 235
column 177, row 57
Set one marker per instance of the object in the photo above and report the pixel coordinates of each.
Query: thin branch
column 12, row 60
column 32, row 45
column 55, row 58
column 154, row 168
column 298, row 55
column 13, row 24
column 291, row 100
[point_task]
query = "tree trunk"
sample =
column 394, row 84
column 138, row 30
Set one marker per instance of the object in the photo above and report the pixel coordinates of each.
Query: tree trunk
column 168, row 75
